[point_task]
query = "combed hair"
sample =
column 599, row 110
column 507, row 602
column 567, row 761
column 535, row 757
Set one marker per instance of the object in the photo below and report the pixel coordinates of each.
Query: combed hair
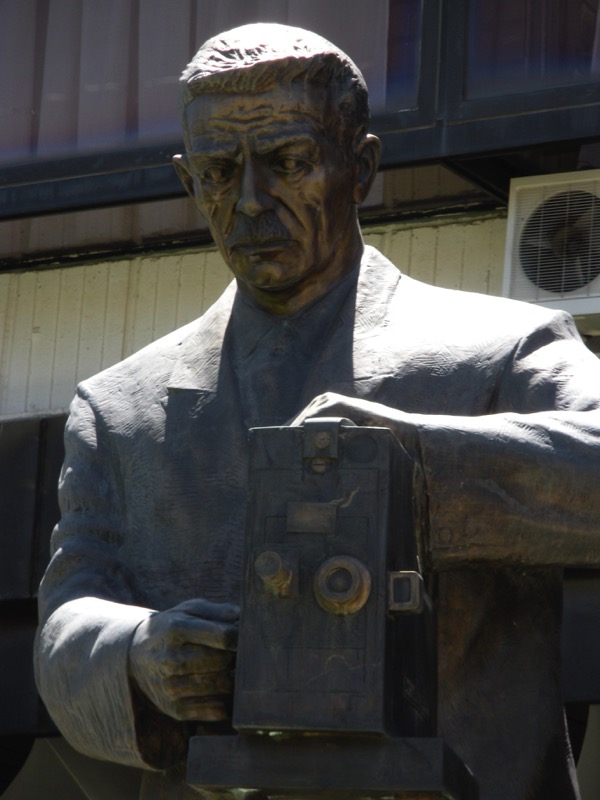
column 255, row 58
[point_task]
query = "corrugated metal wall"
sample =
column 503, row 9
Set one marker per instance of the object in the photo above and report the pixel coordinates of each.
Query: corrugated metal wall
column 59, row 326
column 97, row 74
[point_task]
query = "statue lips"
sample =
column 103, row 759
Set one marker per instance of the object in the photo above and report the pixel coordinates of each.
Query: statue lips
column 265, row 263
column 262, row 250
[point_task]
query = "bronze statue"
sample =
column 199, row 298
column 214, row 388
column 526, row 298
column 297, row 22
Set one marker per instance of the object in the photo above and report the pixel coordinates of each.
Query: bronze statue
column 498, row 402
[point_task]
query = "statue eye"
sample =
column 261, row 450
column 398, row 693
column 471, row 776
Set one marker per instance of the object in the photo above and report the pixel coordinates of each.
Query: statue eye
column 289, row 165
column 217, row 173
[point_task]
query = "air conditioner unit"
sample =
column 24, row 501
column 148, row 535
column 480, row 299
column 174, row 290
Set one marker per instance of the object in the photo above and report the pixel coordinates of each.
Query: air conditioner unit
column 553, row 242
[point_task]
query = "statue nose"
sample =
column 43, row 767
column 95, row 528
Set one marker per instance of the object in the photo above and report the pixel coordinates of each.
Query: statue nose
column 253, row 198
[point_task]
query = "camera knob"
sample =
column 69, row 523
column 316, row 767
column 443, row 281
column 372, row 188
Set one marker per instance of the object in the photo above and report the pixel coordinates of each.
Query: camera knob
column 342, row 585
column 274, row 571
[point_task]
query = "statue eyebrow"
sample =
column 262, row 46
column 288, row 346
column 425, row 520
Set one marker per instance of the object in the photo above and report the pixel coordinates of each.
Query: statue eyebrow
column 272, row 143
column 216, row 149
column 204, row 149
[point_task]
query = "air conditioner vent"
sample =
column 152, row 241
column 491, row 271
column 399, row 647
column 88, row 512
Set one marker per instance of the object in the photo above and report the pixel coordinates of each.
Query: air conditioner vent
column 553, row 241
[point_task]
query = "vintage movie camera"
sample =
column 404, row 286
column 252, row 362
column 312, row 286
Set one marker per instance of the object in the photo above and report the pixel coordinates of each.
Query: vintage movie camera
column 335, row 689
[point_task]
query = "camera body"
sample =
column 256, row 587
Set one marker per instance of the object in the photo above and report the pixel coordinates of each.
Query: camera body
column 335, row 689
column 336, row 628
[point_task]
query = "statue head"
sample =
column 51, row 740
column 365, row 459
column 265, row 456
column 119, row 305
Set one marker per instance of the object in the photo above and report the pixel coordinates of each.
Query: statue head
column 256, row 58
column 278, row 156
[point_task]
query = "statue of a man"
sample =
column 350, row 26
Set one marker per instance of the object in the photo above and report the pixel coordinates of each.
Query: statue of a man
column 498, row 402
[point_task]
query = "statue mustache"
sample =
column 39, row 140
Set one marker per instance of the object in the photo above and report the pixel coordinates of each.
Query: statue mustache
column 258, row 230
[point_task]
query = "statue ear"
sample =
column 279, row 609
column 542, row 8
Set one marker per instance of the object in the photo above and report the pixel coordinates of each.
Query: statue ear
column 368, row 152
column 185, row 176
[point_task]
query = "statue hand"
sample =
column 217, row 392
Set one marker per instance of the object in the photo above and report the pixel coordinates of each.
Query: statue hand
column 182, row 659
column 361, row 412
column 330, row 404
column 364, row 412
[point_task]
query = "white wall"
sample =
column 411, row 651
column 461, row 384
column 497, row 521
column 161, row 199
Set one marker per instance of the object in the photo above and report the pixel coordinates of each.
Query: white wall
column 61, row 325
column 58, row 326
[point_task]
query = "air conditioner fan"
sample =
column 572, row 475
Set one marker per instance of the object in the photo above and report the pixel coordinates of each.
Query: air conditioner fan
column 559, row 248
column 553, row 241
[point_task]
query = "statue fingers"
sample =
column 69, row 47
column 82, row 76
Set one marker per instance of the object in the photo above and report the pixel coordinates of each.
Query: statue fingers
column 186, row 629
column 330, row 404
column 202, row 685
column 199, row 697
column 194, row 659
column 206, row 609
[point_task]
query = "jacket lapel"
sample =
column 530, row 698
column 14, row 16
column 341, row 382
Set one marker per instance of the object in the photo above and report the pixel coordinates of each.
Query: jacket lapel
column 203, row 416
column 355, row 359
column 199, row 362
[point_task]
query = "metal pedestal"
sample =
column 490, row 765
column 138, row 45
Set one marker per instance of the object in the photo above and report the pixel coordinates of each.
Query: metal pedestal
column 330, row 767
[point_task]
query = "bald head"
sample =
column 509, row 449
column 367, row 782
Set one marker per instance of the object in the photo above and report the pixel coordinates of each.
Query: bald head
column 255, row 58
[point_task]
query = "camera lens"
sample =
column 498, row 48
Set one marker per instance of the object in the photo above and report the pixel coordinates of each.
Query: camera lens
column 342, row 585
column 339, row 580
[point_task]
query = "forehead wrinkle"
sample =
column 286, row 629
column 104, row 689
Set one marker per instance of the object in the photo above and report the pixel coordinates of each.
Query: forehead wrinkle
column 249, row 110
column 249, row 107
column 227, row 143
column 238, row 120
column 274, row 118
column 214, row 143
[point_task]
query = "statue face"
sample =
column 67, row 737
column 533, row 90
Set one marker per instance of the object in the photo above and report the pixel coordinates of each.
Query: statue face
column 276, row 190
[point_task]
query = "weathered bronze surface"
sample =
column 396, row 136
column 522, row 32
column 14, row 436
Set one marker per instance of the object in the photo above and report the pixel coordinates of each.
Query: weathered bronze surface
column 331, row 655
column 336, row 633
column 423, row 768
column 496, row 402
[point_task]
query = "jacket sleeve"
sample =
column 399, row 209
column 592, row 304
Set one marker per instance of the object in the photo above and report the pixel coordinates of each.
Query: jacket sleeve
column 520, row 485
column 88, row 615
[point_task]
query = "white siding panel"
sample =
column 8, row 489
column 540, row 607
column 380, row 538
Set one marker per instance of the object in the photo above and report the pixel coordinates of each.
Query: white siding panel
column 215, row 278
column 68, row 336
column 140, row 325
column 448, row 257
column 167, row 290
column 43, row 341
column 190, row 288
column 422, row 254
column 115, row 314
column 15, row 346
column 62, row 325
column 458, row 252
column 18, row 343
column 202, row 278
column 93, row 313
column 8, row 302
column 495, row 246
column 484, row 274
column 398, row 249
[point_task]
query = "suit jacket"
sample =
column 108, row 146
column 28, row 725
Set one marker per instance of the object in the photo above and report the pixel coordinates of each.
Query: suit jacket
column 505, row 402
